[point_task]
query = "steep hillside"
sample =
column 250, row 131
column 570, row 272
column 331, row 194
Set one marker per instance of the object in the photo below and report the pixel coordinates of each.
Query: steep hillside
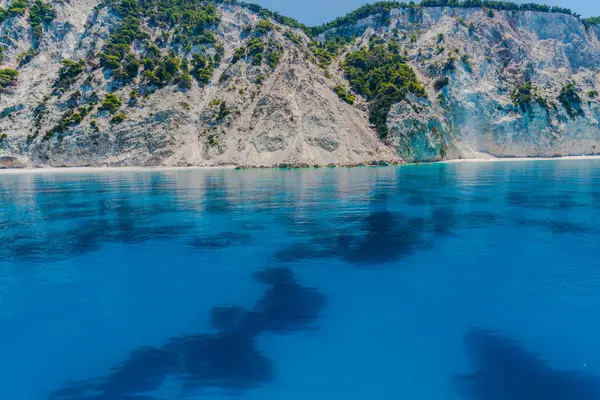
column 190, row 82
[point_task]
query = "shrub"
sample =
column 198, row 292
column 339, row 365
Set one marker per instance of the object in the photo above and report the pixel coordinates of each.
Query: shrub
column 344, row 95
column 273, row 58
column 592, row 94
column 441, row 83
column 293, row 38
column 70, row 68
column 466, row 59
column 201, row 69
column 381, row 8
column 109, row 61
column 17, row 7
column 68, row 73
column 131, row 67
column 570, row 99
column 118, row 118
column 8, row 77
column 591, row 21
column 527, row 94
column 150, row 78
column 185, row 81
column 3, row 137
column 40, row 13
column 263, row 27
column 217, row 58
column 384, row 78
column 25, row 57
column 223, row 112
column 111, row 103
column 69, row 119
column 239, row 54
column 257, row 59
column 328, row 50
column 255, row 46
column 118, row 45
column 133, row 97
column 450, row 65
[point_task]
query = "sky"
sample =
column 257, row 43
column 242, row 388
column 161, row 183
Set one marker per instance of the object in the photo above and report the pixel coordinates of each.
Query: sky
column 316, row 12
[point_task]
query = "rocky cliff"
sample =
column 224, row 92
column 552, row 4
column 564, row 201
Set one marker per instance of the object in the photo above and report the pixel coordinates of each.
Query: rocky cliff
column 177, row 83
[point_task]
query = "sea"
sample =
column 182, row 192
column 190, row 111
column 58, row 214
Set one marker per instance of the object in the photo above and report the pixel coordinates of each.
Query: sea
column 465, row 281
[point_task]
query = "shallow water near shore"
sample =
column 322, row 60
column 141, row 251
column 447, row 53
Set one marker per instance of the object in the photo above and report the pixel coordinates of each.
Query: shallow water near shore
column 448, row 281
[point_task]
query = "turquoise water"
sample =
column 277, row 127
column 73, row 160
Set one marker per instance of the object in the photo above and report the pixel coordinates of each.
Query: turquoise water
column 459, row 282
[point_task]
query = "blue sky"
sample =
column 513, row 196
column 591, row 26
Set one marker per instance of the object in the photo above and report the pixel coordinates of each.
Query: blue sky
column 314, row 12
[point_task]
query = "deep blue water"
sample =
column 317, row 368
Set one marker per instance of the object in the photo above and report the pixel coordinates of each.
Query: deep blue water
column 459, row 282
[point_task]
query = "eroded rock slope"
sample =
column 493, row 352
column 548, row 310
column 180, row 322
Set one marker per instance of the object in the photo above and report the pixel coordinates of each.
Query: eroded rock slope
column 135, row 82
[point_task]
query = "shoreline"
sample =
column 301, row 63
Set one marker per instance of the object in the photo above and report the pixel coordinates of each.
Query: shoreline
column 82, row 170
column 490, row 159
column 486, row 159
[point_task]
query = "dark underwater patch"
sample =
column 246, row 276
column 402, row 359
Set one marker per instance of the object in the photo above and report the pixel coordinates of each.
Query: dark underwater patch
column 504, row 370
column 301, row 251
column 69, row 215
column 221, row 241
column 227, row 360
column 481, row 219
column 383, row 236
column 558, row 227
column 301, row 225
column 430, row 198
column 90, row 225
column 443, row 221
column 559, row 202
column 380, row 237
column 252, row 227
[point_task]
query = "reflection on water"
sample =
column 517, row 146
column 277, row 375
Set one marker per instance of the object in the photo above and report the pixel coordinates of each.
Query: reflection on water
column 127, row 286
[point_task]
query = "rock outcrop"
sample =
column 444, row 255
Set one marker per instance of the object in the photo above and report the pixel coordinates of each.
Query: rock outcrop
column 282, row 108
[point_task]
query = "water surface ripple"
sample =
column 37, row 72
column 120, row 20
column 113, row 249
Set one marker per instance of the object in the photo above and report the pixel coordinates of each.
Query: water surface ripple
column 447, row 281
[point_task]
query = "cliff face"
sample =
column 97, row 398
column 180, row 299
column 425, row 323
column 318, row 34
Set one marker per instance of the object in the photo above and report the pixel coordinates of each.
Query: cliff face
column 494, row 56
column 281, row 107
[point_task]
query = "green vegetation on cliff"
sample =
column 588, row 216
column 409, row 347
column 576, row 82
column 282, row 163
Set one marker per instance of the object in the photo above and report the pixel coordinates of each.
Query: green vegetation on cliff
column 111, row 103
column 40, row 15
column 569, row 98
column 16, row 7
column 344, row 94
column 68, row 72
column 591, row 21
column 383, row 9
column 8, row 77
column 382, row 76
column 524, row 96
column 183, row 23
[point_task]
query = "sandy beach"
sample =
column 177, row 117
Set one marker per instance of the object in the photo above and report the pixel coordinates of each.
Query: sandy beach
column 488, row 158
column 83, row 170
